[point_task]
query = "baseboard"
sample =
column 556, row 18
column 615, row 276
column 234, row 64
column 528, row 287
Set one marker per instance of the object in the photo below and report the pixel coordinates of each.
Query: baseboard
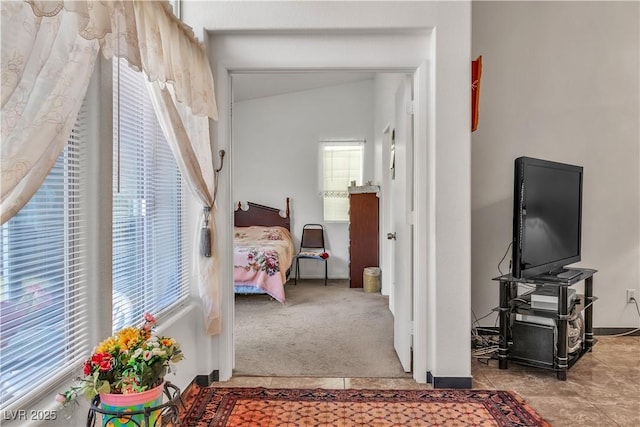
column 616, row 331
column 206, row 380
column 488, row 330
column 449, row 382
column 596, row 331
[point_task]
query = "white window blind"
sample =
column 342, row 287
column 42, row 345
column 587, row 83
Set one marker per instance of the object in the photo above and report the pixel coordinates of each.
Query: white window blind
column 43, row 313
column 341, row 163
column 149, row 262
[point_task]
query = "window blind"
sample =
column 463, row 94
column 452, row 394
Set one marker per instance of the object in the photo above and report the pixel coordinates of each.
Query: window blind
column 341, row 164
column 43, row 313
column 149, row 262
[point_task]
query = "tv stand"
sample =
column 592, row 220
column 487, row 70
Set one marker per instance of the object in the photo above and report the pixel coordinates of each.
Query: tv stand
column 568, row 274
column 543, row 342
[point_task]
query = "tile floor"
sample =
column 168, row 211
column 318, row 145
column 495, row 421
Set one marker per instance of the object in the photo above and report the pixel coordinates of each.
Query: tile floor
column 602, row 388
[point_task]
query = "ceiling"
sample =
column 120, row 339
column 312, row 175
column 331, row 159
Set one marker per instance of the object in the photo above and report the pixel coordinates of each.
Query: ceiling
column 248, row 86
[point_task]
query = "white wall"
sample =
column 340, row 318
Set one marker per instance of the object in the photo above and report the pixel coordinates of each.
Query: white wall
column 560, row 82
column 374, row 34
column 275, row 156
column 433, row 37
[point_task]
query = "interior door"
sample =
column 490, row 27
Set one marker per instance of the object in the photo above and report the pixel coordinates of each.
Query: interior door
column 402, row 222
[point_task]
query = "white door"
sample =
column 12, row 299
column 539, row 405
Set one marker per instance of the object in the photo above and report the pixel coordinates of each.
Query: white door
column 402, row 223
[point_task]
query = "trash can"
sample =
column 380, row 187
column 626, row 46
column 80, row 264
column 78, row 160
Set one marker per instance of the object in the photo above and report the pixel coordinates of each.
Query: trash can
column 371, row 279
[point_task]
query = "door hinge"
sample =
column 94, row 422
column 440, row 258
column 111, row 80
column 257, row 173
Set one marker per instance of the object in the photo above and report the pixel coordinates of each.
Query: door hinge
column 411, row 107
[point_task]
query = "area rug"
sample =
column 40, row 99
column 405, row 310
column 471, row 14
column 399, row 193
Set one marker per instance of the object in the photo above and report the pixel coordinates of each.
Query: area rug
column 214, row 407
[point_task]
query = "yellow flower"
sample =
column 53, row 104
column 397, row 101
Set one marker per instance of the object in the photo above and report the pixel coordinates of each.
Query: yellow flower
column 107, row 346
column 167, row 342
column 128, row 337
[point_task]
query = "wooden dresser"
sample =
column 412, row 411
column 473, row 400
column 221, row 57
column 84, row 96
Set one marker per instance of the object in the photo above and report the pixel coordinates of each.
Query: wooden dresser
column 363, row 232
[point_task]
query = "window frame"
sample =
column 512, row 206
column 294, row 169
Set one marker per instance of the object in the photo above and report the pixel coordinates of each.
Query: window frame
column 70, row 261
column 97, row 177
column 346, row 143
column 153, row 131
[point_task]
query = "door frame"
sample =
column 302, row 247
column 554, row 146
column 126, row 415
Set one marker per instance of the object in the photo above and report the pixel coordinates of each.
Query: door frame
column 391, row 57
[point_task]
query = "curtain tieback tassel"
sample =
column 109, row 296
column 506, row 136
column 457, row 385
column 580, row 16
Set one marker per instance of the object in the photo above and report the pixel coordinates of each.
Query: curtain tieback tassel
column 205, row 234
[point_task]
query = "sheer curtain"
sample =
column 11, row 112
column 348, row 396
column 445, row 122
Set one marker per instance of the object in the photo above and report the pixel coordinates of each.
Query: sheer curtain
column 54, row 44
column 188, row 137
column 46, row 67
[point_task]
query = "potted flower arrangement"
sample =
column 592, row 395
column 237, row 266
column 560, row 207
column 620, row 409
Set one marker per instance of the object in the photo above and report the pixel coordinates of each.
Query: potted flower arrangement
column 131, row 363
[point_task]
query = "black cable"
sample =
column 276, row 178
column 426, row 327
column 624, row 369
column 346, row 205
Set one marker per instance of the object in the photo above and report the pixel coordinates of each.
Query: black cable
column 483, row 317
column 633, row 331
column 503, row 257
column 484, row 341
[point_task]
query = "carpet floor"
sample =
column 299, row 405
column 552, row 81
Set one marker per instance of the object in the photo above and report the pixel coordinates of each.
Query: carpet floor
column 320, row 331
column 235, row 406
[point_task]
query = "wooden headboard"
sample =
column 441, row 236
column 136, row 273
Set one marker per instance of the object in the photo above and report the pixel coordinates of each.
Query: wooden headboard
column 261, row 215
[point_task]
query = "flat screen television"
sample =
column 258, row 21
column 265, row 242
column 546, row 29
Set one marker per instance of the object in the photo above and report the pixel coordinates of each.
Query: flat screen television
column 547, row 217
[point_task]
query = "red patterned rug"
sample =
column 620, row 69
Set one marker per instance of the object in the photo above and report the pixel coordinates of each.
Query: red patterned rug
column 213, row 407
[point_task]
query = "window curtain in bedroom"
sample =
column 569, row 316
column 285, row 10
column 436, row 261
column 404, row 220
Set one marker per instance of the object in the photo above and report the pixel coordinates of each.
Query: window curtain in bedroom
column 151, row 39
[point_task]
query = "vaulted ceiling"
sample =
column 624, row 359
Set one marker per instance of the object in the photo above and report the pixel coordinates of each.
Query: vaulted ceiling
column 248, row 86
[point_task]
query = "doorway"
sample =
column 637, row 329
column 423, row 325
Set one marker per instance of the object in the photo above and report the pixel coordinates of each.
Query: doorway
column 407, row 50
column 278, row 118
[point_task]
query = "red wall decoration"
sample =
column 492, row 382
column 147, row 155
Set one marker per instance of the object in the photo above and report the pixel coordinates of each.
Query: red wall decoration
column 476, row 73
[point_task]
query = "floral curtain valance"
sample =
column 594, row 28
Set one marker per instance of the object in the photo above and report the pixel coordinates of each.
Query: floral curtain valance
column 48, row 54
column 151, row 38
column 46, row 67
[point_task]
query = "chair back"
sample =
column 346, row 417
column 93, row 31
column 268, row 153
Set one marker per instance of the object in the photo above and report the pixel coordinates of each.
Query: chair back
column 312, row 236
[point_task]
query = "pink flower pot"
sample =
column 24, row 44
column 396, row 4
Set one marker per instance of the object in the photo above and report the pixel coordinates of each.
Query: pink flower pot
column 115, row 403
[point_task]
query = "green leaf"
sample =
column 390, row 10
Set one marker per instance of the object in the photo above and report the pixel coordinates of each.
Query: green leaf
column 104, row 387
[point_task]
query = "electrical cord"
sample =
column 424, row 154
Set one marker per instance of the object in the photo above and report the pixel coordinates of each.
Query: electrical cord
column 485, row 345
column 488, row 351
column 633, row 330
column 477, row 338
column 503, row 257
column 483, row 317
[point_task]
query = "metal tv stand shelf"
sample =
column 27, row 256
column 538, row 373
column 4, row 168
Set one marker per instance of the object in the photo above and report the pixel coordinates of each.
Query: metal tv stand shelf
column 543, row 344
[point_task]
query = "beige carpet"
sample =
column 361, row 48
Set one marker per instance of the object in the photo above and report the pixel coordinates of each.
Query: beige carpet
column 320, row 331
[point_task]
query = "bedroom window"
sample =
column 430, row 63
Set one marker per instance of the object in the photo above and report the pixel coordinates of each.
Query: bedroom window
column 341, row 163
column 43, row 311
column 149, row 257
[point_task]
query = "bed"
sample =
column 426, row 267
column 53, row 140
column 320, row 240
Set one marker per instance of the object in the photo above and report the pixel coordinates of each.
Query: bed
column 262, row 250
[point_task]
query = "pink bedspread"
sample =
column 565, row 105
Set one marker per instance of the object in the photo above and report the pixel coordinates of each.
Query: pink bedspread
column 261, row 258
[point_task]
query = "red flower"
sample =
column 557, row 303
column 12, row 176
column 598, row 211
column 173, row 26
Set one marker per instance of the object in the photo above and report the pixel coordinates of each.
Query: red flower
column 86, row 368
column 105, row 365
column 324, row 255
column 102, row 361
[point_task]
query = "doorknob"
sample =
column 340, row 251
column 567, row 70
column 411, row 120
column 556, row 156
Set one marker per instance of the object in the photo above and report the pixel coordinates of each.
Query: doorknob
column 391, row 236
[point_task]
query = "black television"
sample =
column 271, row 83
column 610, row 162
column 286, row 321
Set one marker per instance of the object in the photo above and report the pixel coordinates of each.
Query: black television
column 547, row 218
